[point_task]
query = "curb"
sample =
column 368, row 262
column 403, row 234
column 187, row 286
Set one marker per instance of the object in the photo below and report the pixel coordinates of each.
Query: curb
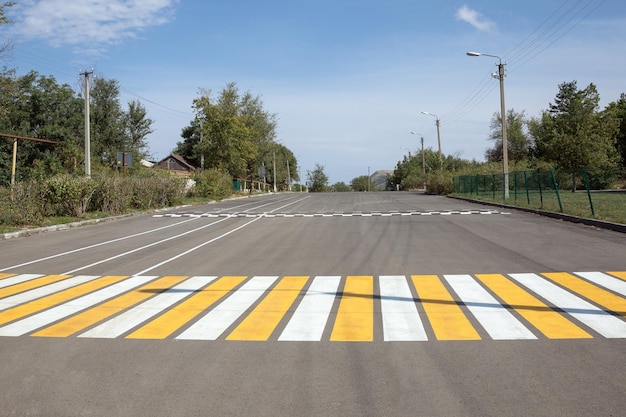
column 600, row 224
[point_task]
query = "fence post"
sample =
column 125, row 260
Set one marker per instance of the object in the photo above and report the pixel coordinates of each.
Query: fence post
column 556, row 188
column 540, row 189
column 526, row 186
column 586, row 179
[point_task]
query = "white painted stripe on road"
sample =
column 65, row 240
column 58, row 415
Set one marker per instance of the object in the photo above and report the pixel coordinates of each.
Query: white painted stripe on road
column 309, row 320
column 47, row 317
column 17, row 279
column 39, row 292
column 614, row 284
column 214, row 323
column 401, row 321
column 135, row 316
column 496, row 320
column 594, row 317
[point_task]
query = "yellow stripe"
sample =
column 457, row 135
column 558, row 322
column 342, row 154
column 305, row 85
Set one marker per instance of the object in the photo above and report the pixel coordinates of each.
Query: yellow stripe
column 56, row 298
column 29, row 285
column 94, row 315
column 619, row 274
column 173, row 319
column 596, row 294
column 552, row 324
column 262, row 321
column 355, row 317
column 445, row 315
column 2, row 276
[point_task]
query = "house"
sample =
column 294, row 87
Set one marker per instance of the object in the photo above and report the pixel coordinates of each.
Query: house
column 176, row 164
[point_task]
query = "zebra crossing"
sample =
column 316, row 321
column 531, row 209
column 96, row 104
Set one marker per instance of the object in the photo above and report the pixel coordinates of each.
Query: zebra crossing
column 332, row 214
column 352, row 308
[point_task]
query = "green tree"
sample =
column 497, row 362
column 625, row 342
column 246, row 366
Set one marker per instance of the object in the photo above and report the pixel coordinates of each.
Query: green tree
column 340, row 187
column 573, row 133
column 317, row 179
column 237, row 133
column 107, row 121
column 517, row 140
column 137, row 127
column 618, row 108
column 362, row 183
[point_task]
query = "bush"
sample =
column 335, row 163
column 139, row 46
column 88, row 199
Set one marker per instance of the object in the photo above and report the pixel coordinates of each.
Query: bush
column 70, row 195
column 213, row 183
column 25, row 204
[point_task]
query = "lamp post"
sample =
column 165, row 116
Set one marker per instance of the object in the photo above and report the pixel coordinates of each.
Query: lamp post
column 438, row 136
column 423, row 157
column 406, row 149
column 505, row 145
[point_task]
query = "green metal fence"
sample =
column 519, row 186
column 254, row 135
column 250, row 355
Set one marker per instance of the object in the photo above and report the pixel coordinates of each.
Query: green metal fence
column 579, row 192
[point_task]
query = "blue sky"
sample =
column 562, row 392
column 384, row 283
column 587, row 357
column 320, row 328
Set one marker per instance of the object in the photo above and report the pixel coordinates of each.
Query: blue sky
column 347, row 79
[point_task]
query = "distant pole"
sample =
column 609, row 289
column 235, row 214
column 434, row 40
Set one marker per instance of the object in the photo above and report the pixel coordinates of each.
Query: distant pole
column 201, row 148
column 288, row 176
column 274, row 171
column 87, row 138
column 423, row 163
column 368, row 179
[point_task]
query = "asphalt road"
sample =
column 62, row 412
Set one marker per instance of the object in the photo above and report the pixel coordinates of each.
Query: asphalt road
column 347, row 304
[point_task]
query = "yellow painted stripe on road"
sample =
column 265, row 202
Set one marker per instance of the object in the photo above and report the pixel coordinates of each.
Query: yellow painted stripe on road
column 549, row 322
column 355, row 317
column 2, row 276
column 619, row 274
column 262, row 321
column 29, row 285
column 611, row 301
column 173, row 319
column 57, row 298
column 444, row 314
column 92, row 316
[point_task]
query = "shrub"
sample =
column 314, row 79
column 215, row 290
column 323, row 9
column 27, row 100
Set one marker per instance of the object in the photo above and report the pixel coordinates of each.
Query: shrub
column 70, row 195
column 213, row 183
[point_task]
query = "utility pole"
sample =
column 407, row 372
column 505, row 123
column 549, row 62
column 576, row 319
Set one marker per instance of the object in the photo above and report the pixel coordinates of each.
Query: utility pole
column 274, row 171
column 288, row 176
column 86, row 75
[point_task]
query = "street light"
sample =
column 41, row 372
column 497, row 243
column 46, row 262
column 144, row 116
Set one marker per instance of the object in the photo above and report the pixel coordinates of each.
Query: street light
column 505, row 145
column 438, row 136
column 407, row 149
column 423, row 157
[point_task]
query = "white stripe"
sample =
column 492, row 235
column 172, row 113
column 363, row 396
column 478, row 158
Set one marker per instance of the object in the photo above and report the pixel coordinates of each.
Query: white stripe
column 497, row 321
column 309, row 320
column 17, row 279
column 131, row 318
column 35, row 293
column 47, row 317
column 214, row 323
column 401, row 321
column 606, row 281
column 594, row 317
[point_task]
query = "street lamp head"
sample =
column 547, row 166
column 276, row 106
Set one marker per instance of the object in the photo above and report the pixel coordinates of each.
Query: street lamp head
column 473, row 53
column 425, row 112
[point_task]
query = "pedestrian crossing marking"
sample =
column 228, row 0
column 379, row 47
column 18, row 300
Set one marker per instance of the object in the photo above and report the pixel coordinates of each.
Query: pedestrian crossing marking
column 175, row 318
column 30, row 284
column 355, row 317
column 262, row 321
column 554, row 305
column 58, row 298
column 94, row 315
column 589, row 291
column 3, row 276
column 444, row 314
column 619, row 274
column 548, row 321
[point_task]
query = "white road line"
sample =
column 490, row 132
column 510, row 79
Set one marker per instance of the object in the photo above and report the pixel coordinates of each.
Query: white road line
column 39, row 292
column 47, row 317
column 594, row 317
column 309, row 320
column 606, row 281
column 135, row 316
column 496, row 320
column 216, row 321
column 401, row 321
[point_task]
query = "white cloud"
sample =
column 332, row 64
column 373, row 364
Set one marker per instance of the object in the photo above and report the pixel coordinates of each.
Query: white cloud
column 91, row 24
column 475, row 19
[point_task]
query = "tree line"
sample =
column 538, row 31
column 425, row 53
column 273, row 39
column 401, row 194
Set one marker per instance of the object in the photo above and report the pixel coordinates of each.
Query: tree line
column 573, row 132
